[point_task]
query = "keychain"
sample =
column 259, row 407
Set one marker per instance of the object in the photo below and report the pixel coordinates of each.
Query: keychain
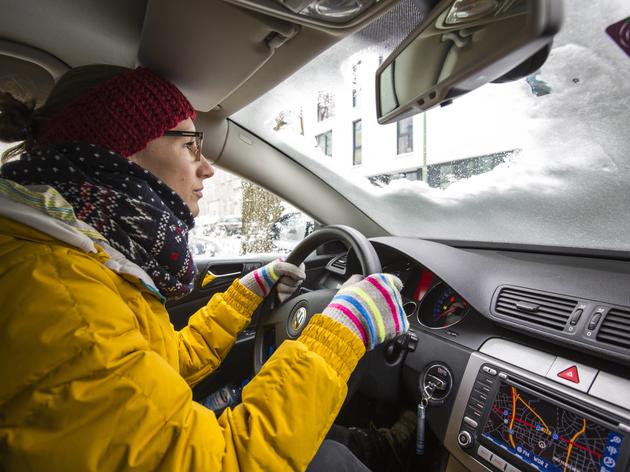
column 421, row 418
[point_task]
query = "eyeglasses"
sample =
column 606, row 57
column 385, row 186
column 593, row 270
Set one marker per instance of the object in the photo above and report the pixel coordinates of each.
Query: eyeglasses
column 198, row 135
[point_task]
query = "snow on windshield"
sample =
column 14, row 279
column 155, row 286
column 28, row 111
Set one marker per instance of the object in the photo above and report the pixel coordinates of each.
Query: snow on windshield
column 563, row 172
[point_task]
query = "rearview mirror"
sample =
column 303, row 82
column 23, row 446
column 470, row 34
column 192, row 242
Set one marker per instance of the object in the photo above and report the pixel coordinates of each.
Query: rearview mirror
column 462, row 45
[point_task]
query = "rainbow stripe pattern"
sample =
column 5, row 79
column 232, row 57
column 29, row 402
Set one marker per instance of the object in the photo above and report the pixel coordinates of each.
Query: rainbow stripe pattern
column 260, row 281
column 371, row 308
column 265, row 278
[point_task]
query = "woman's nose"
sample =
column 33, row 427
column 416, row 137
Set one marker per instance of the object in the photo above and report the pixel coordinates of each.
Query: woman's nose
column 206, row 169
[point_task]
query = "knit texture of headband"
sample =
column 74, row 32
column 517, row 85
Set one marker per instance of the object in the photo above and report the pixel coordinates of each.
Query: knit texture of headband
column 122, row 114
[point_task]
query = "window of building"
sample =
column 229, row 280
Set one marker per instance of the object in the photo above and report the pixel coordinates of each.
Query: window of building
column 356, row 86
column 356, row 142
column 324, row 142
column 325, row 106
column 404, row 133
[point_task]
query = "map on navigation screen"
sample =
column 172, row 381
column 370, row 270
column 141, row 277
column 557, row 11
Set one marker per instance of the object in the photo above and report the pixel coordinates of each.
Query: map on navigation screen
column 549, row 437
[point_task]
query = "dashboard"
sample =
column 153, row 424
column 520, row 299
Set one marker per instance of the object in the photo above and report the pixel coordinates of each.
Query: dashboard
column 427, row 299
column 535, row 349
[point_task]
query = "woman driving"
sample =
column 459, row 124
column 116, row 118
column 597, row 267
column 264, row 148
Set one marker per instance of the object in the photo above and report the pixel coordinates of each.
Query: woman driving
column 96, row 202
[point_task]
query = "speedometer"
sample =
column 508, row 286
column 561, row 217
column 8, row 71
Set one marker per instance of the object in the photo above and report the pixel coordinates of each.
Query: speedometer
column 442, row 307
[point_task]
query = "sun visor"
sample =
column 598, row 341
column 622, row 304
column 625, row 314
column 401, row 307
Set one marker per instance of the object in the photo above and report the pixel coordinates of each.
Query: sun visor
column 179, row 41
column 215, row 130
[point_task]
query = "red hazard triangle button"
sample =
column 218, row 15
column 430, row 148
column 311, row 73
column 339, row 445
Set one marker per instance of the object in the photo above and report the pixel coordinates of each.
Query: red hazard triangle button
column 570, row 374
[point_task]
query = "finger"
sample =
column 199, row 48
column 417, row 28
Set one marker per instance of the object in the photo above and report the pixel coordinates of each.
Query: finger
column 397, row 282
column 284, row 288
column 353, row 279
column 284, row 291
column 392, row 279
column 291, row 278
column 396, row 286
column 293, row 271
column 288, row 281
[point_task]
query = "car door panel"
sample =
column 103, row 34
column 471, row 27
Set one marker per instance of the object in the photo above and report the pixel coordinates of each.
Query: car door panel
column 218, row 276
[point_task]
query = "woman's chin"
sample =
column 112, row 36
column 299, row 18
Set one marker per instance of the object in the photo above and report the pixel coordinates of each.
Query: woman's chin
column 194, row 208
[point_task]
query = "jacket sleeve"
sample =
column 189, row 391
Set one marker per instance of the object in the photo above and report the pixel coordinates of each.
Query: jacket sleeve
column 91, row 395
column 289, row 406
column 212, row 331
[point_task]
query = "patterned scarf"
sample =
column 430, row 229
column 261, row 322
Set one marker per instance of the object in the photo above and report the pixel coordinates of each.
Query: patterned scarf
column 138, row 214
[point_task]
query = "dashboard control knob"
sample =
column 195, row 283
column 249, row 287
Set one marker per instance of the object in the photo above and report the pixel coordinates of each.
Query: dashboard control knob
column 464, row 439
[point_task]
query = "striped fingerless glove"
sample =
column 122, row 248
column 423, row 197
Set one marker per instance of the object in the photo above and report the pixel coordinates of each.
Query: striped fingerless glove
column 260, row 281
column 371, row 308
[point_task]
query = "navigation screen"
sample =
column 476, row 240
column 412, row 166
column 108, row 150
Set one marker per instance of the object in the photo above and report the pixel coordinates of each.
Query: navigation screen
column 547, row 436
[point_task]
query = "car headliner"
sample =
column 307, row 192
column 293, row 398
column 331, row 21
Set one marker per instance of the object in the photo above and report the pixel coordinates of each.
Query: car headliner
column 171, row 37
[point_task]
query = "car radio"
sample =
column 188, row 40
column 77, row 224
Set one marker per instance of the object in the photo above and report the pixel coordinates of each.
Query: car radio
column 513, row 424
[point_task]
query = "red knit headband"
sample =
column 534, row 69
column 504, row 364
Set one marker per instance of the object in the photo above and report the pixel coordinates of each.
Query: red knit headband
column 122, row 114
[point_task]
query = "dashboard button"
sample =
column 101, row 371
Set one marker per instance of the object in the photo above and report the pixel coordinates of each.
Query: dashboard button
column 484, row 453
column 489, row 381
column 477, row 405
column 481, row 386
column 489, row 370
column 464, row 439
column 594, row 321
column 480, row 397
column 498, row 462
column 576, row 316
column 572, row 374
column 470, row 422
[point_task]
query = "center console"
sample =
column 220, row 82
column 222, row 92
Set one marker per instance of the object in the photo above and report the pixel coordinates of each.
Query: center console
column 509, row 419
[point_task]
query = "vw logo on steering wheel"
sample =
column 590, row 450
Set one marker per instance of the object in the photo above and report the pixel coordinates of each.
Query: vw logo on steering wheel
column 297, row 320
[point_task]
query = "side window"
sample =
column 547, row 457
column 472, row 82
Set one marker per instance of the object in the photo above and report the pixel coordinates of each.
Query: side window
column 239, row 218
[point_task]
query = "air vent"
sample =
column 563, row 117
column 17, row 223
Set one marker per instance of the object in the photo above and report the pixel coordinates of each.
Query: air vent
column 542, row 309
column 616, row 328
column 338, row 264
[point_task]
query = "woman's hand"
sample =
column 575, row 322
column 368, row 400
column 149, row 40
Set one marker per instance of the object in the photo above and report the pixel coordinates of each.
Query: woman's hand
column 371, row 308
column 288, row 276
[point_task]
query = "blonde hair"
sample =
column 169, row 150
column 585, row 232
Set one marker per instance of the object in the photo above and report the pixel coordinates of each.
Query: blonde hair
column 20, row 119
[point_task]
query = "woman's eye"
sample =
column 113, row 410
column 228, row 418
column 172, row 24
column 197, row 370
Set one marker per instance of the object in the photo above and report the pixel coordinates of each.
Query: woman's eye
column 190, row 146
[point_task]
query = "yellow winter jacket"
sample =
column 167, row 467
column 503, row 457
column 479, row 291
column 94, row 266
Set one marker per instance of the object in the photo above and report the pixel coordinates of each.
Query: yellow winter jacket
column 93, row 375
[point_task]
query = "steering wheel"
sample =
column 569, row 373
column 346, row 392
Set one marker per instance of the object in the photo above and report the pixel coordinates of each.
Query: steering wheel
column 287, row 320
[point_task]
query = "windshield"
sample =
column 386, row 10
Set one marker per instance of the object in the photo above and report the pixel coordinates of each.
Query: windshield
column 542, row 160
